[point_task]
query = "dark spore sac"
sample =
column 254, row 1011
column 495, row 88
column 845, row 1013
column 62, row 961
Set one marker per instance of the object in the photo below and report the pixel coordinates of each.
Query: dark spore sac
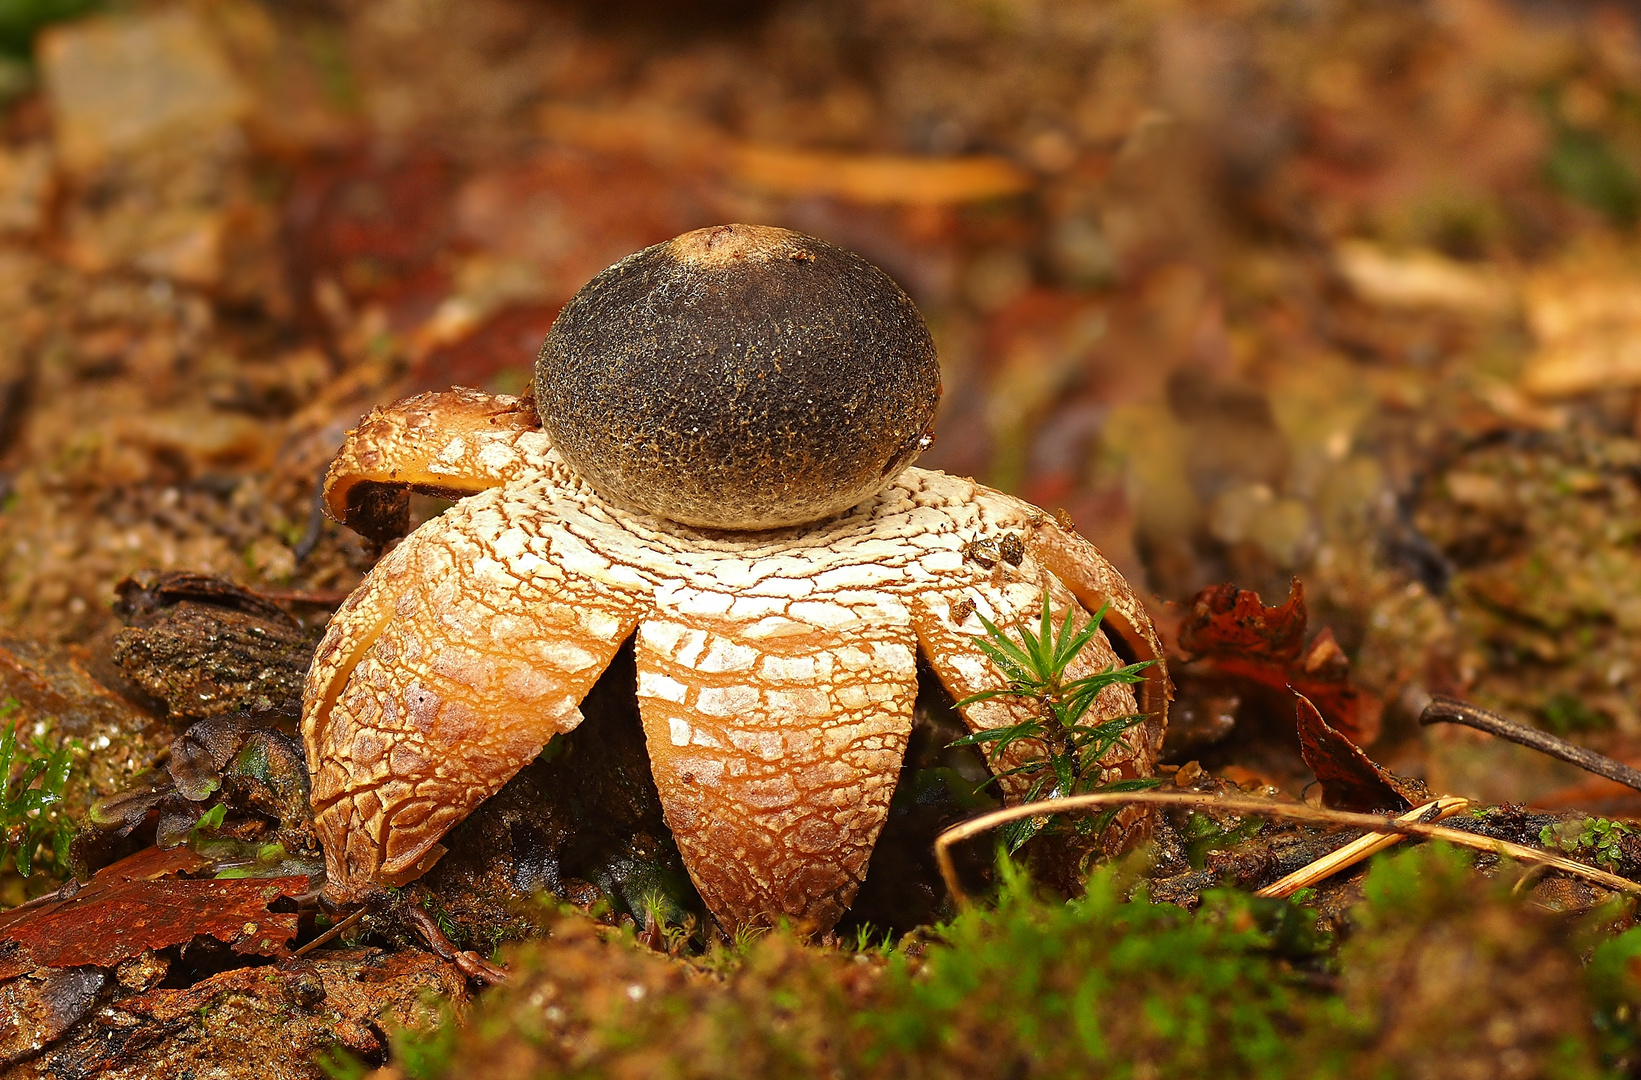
column 739, row 377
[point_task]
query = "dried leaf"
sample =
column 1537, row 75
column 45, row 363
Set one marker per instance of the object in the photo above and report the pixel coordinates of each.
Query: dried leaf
column 874, row 179
column 1584, row 315
column 1231, row 624
column 146, row 594
column 139, row 904
column 1231, row 631
column 868, row 179
column 1350, row 779
column 1423, row 279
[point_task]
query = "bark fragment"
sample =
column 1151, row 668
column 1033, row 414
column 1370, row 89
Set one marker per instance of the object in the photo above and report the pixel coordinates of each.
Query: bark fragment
column 206, row 647
column 253, row 1023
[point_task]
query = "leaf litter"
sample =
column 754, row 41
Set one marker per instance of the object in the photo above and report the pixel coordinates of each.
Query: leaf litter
column 143, row 903
column 1382, row 285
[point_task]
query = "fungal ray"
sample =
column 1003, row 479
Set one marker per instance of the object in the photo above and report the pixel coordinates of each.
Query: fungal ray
column 453, row 442
column 776, row 669
column 474, row 667
column 775, row 759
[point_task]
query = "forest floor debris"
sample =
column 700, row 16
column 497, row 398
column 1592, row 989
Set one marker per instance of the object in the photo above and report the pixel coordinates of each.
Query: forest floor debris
column 1341, row 293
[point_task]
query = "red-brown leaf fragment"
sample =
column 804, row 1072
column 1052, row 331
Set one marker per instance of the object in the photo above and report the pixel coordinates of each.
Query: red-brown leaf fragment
column 1350, row 779
column 1229, row 630
column 1228, row 623
column 136, row 905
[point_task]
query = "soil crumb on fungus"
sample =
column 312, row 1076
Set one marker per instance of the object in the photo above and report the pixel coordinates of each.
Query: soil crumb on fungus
column 777, row 669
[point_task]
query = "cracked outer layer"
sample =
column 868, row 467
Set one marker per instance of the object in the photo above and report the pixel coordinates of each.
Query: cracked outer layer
column 739, row 377
column 776, row 671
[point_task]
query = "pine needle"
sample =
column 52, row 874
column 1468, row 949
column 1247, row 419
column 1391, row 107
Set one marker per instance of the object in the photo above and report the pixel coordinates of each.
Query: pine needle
column 1363, row 847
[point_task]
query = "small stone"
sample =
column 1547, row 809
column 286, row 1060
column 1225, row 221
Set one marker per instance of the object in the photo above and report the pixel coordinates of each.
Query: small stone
column 118, row 85
column 25, row 188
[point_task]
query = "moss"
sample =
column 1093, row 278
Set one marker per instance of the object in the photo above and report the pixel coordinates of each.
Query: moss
column 34, row 829
column 1443, row 972
column 1615, row 985
column 1461, row 978
column 1539, row 533
column 1591, row 170
column 1098, row 983
column 1594, row 840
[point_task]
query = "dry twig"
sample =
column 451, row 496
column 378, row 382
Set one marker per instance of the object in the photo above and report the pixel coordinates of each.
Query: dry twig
column 1450, row 711
column 335, row 929
column 316, row 597
column 1289, row 811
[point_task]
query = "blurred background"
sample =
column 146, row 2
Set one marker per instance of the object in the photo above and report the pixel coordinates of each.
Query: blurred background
column 1257, row 291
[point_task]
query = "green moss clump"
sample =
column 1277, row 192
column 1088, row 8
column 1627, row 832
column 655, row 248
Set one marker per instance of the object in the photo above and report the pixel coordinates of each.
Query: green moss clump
column 34, row 831
column 1036, row 988
column 1443, row 972
column 1456, row 977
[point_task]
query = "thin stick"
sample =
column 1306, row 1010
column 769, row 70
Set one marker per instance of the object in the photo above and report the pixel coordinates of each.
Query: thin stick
column 1291, row 811
column 1448, row 711
column 331, row 933
column 469, row 963
column 1363, row 847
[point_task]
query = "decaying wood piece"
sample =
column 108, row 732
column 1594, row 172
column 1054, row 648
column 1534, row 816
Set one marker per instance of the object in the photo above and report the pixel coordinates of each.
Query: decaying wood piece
column 776, row 670
column 270, row 1020
column 1360, row 849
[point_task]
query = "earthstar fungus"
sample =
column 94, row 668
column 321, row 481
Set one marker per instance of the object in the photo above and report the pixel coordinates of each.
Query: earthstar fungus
column 777, row 633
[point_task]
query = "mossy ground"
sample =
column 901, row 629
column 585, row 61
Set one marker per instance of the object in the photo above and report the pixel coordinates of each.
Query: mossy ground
column 1173, row 335
column 1441, row 970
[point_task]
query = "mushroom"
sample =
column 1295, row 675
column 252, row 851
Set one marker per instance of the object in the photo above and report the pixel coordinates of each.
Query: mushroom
column 715, row 466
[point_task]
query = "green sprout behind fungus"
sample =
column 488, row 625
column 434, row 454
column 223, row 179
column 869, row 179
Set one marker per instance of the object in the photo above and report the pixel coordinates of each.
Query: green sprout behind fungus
column 1068, row 762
